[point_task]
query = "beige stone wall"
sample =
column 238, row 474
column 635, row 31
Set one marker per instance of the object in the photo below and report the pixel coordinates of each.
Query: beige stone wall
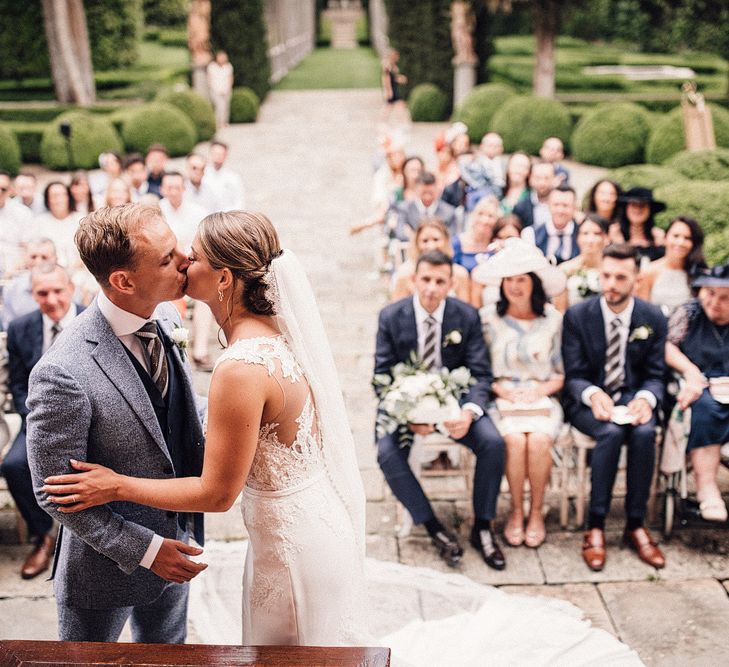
column 291, row 34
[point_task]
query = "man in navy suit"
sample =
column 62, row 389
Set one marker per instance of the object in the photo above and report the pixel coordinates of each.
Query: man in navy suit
column 557, row 237
column 613, row 352
column 29, row 336
column 443, row 332
column 426, row 205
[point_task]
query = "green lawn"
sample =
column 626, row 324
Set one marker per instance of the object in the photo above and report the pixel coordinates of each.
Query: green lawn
column 334, row 68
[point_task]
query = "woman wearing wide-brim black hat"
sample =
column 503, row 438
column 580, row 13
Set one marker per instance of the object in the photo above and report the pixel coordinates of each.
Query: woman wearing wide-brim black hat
column 637, row 226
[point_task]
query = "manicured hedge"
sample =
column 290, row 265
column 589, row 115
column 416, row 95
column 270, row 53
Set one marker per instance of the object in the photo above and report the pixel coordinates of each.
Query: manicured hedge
column 478, row 108
column 29, row 137
column 162, row 123
column 90, row 135
column 9, row 150
column 166, row 12
column 667, row 135
column 197, row 108
column 645, row 176
column 244, row 105
column 716, row 247
column 525, row 121
column 706, row 201
column 427, row 103
column 707, row 165
column 611, row 135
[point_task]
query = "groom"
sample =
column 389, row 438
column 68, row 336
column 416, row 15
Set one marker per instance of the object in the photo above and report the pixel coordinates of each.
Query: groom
column 115, row 390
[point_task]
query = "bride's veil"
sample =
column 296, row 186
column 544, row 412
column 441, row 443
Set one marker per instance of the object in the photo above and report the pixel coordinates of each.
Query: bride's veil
column 297, row 316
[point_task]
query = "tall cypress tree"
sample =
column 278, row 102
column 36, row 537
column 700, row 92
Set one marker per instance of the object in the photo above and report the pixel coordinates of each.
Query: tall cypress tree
column 238, row 27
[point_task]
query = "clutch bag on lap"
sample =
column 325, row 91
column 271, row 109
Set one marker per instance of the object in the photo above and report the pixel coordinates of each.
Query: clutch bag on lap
column 719, row 389
column 540, row 408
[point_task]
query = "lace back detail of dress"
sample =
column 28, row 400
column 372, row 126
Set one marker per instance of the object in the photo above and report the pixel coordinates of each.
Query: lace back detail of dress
column 277, row 465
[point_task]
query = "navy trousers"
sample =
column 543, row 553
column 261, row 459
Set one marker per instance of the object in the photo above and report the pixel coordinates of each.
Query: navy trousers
column 16, row 472
column 609, row 438
column 482, row 439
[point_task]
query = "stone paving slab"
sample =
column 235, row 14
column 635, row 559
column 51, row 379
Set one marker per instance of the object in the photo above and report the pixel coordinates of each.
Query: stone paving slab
column 671, row 622
column 11, row 584
column 584, row 596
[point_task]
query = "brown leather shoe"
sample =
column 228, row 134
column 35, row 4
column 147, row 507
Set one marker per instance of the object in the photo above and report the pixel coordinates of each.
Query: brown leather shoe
column 40, row 558
column 593, row 549
column 641, row 541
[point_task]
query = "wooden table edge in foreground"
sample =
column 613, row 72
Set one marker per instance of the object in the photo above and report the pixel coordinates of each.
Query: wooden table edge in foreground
column 17, row 653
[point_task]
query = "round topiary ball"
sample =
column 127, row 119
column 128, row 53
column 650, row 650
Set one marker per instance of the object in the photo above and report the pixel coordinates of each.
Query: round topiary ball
column 91, row 135
column 159, row 123
column 667, row 136
column 645, row 176
column 427, row 103
column 525, row 121
column 478, row 108
column 716, row 247
column 707, row 165
column 705, row 201
column 611, row 135
column 244, row 106
column 197, row 108
column 10, row 159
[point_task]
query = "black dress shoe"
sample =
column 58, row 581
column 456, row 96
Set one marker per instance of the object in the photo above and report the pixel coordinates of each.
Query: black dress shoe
column 448, row 548
column 485, row 543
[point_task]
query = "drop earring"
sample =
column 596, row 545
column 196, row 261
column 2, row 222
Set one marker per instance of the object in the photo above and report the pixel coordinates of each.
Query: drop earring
column 220, row 295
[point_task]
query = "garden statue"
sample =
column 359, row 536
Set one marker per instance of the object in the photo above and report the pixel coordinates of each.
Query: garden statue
column 198, row 41
column 698, row 125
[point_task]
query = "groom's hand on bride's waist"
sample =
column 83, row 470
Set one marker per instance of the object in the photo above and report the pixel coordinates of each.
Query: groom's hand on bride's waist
column 172, row 562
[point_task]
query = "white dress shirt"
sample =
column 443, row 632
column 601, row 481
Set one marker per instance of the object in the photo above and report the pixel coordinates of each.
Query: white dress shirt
column 202, row 196
column 124, row 325
column 48, row 325
column 421, row 315
column 183, row 220
column 624, row 317
column 553, row 241
column 227, row 186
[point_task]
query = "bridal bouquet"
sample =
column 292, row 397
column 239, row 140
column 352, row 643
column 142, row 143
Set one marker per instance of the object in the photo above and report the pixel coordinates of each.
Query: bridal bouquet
column 418, row 396
column 586, row 282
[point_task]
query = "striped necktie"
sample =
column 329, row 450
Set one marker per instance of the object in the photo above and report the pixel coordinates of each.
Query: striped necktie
column 431, row 340
column 156, row 354
column 55, row 330
column 614, row 367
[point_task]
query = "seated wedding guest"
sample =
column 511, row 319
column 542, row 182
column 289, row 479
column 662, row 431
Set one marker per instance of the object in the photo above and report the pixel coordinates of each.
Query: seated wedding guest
column 446, row 170
column 18, row 294
column 426, row 204
column 637, row 226
column 135, row 173
column 666, row 282
column 476, row 240
column 156, row 163
column 119, row 192
column 698, row 349
column 523, row 332
column 490, row 155
column 424, row 325
column 411, row 170
column 83, row 202
column 485, row 291
column 534, row 210
column 613, row 353
column 182, row 216
column 430, row 235
column 15, row 226
column 111, row 168
column 197, row 191
column 583, row 271
column 29, row 337
column 557, row 237
column 225, row 182
column 60, row 223
column 456, row 136
column 516, row 189
column 552, row 151
column 26, row 192
column 603, row 199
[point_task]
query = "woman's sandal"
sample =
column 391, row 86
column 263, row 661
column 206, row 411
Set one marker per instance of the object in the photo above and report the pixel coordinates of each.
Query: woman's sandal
column 514, row 535
column 535, row 538
column 713, row 509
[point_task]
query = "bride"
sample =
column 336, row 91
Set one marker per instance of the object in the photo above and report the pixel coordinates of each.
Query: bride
column 277, row 429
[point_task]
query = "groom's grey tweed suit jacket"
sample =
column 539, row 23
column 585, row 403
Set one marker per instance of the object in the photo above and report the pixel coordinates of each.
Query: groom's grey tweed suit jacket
column 87, row 402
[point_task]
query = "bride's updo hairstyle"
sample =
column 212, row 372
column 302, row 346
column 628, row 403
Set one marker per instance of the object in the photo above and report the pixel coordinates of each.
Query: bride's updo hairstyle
column 246, row 244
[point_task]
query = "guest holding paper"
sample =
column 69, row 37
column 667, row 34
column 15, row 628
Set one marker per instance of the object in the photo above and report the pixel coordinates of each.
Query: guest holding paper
column 524, row 332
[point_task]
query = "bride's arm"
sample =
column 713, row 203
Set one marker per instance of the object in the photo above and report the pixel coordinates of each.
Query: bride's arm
column 238, row 394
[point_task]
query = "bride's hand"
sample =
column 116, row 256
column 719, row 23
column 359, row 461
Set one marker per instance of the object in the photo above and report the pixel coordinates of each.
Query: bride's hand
column 93, row 485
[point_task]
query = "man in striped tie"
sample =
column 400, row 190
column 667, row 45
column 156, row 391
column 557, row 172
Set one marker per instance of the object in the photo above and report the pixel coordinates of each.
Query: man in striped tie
column 613, row 352
column 443, row 332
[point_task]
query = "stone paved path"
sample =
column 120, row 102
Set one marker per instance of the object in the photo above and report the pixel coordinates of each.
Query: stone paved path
column 307, row 163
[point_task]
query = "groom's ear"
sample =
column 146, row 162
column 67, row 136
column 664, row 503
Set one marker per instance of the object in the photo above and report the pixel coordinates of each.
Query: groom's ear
column 121, row 281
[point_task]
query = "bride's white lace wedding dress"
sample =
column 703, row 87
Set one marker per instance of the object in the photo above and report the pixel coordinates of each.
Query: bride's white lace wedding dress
column 303, row 581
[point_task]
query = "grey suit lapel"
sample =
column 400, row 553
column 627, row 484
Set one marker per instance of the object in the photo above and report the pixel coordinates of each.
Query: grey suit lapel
column 113, row 361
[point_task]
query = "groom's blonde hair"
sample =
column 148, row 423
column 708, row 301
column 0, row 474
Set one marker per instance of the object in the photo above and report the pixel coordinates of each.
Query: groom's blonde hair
column 106, row 238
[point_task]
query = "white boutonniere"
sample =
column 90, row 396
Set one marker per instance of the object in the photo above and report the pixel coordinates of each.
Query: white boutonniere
column 640, row 333
column 180, row 337
column 452, row 338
